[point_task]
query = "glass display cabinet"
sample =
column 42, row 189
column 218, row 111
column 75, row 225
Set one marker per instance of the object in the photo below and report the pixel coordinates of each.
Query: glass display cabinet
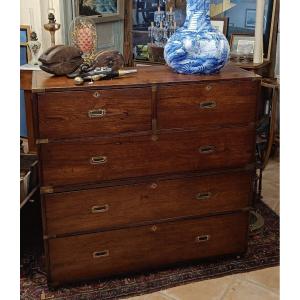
column 233, row 17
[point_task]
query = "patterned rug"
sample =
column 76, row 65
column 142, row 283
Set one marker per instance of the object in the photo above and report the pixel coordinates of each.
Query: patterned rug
column 263, row 251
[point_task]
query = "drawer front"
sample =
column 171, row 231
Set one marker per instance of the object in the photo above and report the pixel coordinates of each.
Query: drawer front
column 207, row 104
column 81, row 211
column 91, row 162
column 92, row 113
column 127, row 250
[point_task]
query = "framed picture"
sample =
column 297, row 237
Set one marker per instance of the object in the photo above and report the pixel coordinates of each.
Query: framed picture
column 220, row 23
column 100, row 10
column 242, row 16
column 242, row 44
column 250, row 18
column 25, row 54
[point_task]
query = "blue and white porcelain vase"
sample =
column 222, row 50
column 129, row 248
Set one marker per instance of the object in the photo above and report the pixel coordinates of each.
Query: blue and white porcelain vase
column 197, row 47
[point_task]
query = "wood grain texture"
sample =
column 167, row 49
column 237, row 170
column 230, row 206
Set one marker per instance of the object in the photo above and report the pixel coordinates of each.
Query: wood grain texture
column 145, row 247
column 94, row 209
column 69, row 162
column 145, row 76
column 132, row 189
column 66, row 115
column 231, row 103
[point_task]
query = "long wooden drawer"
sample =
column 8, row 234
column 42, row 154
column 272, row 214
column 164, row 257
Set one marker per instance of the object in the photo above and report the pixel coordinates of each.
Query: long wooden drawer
column 92, row 113
column 105, row 159
column 196, row 105
column 126, row 250
column 89, row 210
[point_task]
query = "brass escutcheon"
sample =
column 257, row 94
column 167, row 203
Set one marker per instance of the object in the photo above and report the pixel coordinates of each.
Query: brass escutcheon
column 154, row 228
column 154, row 185
column 96, row 94
column 208, row 87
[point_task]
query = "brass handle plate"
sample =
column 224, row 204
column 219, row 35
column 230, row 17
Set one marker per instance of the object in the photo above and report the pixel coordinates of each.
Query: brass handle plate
column 96, row 113
column 98, row 160
column 208, row 104
column 202, row 238
column 100, row 208
column 100, row 254
column 203, row 195
column 207, row 149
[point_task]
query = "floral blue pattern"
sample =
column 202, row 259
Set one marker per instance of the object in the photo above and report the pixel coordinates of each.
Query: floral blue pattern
column 197, row 47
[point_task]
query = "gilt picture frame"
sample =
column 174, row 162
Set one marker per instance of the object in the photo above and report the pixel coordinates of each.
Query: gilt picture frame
column 100, row 11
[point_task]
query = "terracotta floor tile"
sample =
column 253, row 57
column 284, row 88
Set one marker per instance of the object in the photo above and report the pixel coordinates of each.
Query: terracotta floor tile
column 244, row 290
column 212, row 289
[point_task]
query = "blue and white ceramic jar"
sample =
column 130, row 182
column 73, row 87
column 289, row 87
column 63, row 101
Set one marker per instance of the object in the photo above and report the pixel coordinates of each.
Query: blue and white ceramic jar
column 197, row 47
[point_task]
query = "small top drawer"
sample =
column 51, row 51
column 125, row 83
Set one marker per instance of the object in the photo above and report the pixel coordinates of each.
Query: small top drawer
column 194, row 105
column 94, row 112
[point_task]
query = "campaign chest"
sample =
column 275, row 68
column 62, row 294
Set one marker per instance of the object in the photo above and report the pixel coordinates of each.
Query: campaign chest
column 140, row 172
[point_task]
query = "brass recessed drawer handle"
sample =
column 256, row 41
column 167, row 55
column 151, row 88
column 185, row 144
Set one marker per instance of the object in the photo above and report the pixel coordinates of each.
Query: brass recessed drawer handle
column 203, row 196
column 98, row 160
column 96, row 113
column 202, row 238
column 100, row 208
column 208, row 104
column 100, row 254
column 207, row 149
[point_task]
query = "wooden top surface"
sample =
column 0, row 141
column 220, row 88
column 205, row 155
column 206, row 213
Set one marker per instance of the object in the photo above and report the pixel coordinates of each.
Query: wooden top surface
column 43, row 81
column 25, row 80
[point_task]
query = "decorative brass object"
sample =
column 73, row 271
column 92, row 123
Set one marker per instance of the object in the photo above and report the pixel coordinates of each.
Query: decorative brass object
column 207, row 149
column 96, row 94
column 100, row 209
column 99, row 254
column 202, row 238
column 97, row 113
column 154, row 185
column 208, row 104
column 203, row 196
column 98, row 160
column 154, row 228
column 52, row 26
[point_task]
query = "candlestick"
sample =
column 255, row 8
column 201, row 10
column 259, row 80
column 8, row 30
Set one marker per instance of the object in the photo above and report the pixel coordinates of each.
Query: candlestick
column 259, row 28
column 50, row 4
column 31, row 19
column 52, row 26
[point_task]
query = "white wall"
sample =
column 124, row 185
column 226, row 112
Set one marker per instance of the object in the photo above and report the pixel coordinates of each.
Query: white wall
column 40, row 15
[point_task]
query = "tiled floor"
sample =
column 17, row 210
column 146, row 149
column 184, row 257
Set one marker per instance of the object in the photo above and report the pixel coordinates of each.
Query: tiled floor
column 258, row 285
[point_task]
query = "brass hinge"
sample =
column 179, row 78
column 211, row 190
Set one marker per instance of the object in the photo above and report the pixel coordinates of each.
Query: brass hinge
column 46, row 190
column 42, row 141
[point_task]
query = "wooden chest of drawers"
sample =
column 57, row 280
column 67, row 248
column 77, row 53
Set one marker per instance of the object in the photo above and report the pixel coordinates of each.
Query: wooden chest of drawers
column 144, row 171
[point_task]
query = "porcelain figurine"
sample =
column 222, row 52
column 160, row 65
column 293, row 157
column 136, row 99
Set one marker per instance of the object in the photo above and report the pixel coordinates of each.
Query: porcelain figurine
column 197, row 47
